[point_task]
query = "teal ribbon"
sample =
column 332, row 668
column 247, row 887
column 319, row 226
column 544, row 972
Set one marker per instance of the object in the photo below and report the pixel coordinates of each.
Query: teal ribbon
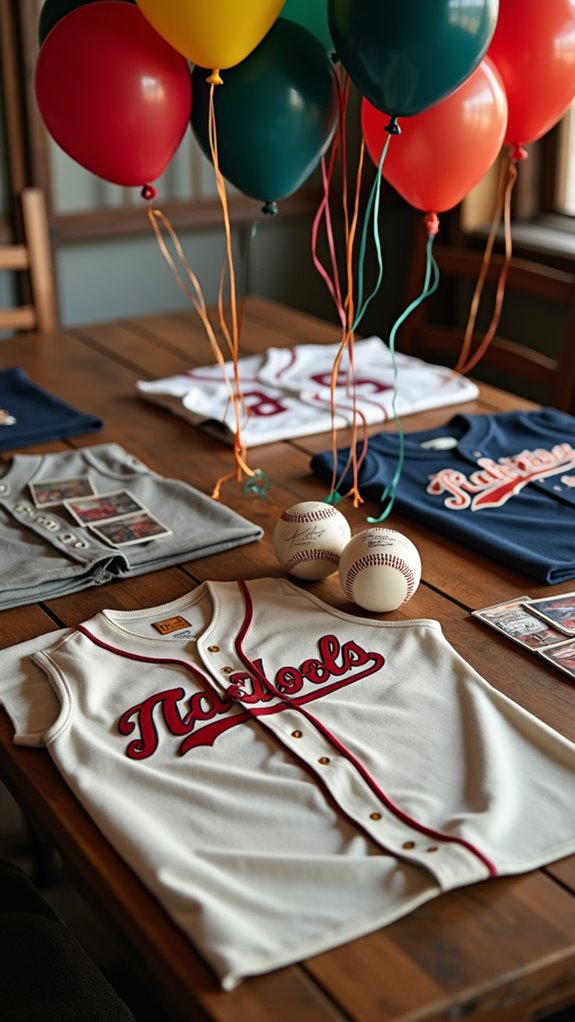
column 430, row 285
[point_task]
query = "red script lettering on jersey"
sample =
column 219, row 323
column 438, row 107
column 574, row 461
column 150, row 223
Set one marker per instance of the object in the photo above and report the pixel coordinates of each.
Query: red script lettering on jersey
column 497, row 481
column 202, row 717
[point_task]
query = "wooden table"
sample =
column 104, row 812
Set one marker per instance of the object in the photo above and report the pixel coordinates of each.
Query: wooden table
column 497, row 951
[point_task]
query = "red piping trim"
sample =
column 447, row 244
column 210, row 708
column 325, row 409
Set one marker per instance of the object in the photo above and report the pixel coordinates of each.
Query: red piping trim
column 140, row 656
column 388, row 803
column 288, row 365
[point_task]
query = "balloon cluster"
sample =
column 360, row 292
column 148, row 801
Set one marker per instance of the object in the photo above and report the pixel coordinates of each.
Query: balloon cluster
column 469, row 76
column 457, row 78
column 117, row 93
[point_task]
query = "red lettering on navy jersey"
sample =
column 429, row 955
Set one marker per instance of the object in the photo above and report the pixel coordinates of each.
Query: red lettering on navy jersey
column 497, row 481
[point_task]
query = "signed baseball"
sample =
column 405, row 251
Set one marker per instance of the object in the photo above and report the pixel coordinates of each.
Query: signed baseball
column 379, row 569
column 309, row 537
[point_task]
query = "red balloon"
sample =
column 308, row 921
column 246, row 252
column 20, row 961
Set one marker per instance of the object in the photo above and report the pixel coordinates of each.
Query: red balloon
column 443, row 152
column 533, row 48
column 112, row 93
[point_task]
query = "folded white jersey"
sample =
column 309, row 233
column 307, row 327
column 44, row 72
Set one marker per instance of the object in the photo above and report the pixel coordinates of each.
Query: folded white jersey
column 286, row 392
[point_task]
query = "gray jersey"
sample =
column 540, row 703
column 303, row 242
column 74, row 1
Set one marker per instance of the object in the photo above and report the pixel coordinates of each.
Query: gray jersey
column 46, row 552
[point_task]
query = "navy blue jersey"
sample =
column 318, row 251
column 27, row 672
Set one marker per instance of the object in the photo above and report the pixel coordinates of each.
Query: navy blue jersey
column 30, row 415
column 503, row 484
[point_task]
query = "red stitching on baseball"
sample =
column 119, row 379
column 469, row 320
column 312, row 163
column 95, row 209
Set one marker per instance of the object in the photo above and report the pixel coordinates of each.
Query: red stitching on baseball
column 311, row 555
column 309, row 516
column 377, row 560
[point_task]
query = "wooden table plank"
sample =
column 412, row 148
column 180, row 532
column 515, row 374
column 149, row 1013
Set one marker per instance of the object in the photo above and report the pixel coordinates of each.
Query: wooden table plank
column 506, row 924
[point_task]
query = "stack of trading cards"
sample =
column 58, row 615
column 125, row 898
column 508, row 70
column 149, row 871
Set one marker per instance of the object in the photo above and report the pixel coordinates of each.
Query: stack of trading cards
column 542, row 626
column 118, row 518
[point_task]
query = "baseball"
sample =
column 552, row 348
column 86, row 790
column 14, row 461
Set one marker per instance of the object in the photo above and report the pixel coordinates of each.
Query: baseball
column 379, row 569
column 309, row 537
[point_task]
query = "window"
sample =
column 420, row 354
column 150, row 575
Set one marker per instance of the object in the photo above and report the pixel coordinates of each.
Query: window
column 565, row 178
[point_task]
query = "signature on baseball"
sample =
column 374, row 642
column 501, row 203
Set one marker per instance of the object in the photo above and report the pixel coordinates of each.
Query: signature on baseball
column 304, row 534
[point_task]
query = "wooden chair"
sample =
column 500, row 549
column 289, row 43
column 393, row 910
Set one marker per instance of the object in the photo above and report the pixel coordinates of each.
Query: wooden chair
column 31, row 258
column 435, row 330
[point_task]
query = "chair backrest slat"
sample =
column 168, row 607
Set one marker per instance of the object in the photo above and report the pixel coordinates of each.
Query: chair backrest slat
column 31, row 255
column 434, row 331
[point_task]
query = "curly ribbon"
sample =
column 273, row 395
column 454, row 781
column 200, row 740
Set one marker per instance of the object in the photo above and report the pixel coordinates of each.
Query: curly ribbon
column 324, row 210
column 507, row 179
column 349, row 317
column 430, row 284
column 256, row 479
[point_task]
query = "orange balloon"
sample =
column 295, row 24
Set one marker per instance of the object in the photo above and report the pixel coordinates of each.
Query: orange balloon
column 443, row 152
column 533, row 48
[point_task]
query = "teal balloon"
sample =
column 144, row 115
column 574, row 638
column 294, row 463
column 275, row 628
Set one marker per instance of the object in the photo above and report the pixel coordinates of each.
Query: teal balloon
column 275, row 113
column 53, row 10
column 406, row 55
column 312, row 14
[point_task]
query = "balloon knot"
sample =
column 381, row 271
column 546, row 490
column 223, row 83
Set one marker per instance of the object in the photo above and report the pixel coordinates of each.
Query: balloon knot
column 518, row 153
column 258, row 484
column 270, row 208
column 392, row 127
column 215, row 78
column 431, row 222
column 149, row 192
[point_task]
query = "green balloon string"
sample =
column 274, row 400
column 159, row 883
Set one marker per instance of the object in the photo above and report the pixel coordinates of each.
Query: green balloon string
column 372, row 202
column 430, row 285
column 247, row 259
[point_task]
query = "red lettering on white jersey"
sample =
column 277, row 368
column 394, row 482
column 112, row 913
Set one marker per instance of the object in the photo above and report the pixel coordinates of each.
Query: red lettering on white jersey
column 202, row 717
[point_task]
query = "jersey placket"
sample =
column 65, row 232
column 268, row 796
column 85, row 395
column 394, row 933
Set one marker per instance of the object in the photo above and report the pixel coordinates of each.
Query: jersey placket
column 357, row 795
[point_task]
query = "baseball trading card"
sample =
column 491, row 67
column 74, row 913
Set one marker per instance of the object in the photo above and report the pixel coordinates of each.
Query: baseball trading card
column 558, row 611
column 136, row 528
column 562, row 656
column 103, row 507
column 57, row 491
column 514, row 620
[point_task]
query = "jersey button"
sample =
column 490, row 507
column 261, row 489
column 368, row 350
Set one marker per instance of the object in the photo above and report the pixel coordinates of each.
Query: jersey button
column 213, row 649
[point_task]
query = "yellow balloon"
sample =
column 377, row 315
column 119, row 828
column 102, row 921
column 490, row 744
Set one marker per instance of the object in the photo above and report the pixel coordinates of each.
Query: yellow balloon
column 212, row 33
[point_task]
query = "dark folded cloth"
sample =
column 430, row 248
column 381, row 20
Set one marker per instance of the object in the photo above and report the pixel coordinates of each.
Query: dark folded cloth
column 30, row 415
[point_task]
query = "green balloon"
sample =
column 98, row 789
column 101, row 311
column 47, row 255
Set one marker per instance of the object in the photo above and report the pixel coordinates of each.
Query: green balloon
column 406, row 55
column 53, row 10
column 312, row 14
column 275, row 113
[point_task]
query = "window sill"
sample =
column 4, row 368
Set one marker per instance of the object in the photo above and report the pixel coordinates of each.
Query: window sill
column 548, row 238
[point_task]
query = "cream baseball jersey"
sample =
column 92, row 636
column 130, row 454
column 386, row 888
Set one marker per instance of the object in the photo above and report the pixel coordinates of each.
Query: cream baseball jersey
column 286, row 391
column 282, row 790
